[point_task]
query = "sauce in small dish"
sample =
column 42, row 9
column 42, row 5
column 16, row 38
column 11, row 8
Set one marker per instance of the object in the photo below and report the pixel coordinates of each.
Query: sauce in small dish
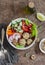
column 42, row 45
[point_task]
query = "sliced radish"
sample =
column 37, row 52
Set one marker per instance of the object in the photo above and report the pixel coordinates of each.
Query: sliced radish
column 16, row 36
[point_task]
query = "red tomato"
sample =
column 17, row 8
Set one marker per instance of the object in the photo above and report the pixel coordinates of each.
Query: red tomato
column 23, row 22
column 30, row 25
column 13, row 30
column 30, row 30
column 25, row 28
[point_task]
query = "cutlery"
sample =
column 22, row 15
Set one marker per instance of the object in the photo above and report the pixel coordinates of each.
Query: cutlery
column 3, row 51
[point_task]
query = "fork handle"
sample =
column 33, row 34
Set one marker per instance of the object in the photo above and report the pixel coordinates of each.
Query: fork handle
column 3, row 32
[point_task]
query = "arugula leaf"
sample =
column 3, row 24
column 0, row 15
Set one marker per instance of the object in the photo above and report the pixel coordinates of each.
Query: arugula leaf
column 19, row 46
column 28, row 21
column 34, row 30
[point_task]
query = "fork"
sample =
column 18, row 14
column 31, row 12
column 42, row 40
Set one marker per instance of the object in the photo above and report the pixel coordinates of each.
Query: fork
column 4, row 51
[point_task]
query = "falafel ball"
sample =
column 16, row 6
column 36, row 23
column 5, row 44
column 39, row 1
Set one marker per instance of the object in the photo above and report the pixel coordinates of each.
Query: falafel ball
column 26, row 35
column 22, row 42
column 29, row 41
column 14, row 42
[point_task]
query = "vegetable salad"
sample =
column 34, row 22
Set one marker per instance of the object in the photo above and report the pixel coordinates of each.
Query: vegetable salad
column 21, row 33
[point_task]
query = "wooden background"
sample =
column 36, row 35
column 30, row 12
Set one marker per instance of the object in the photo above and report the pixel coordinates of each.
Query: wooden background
column 12, row 9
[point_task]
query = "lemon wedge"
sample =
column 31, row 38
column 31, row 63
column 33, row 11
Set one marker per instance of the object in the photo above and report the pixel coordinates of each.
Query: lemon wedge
column 40, row 17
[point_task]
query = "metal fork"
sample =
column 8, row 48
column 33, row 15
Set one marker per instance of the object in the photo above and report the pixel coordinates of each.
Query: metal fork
column 4, row 51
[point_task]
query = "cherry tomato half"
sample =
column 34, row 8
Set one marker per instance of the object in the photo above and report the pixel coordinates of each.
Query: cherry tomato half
column 30, row 25
column 25, row 28
column 23, row 22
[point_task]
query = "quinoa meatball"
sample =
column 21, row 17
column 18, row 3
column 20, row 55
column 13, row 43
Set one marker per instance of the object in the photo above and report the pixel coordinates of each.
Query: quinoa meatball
column 14, row 42
column 22, row 42
column 29, row 41
column 30, row 36
column 26, row 35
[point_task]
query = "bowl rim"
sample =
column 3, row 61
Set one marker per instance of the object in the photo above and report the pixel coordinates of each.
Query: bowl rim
column 15, row 46
column 40, row 46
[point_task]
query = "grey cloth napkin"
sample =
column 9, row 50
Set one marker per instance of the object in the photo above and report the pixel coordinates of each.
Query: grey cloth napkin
column 12, row 52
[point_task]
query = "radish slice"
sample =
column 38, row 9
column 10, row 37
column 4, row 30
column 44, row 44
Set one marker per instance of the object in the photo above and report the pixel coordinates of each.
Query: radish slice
column 16, row 36
column 11, row 38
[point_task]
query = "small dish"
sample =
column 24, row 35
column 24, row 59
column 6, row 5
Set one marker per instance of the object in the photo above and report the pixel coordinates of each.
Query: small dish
column 42, row 45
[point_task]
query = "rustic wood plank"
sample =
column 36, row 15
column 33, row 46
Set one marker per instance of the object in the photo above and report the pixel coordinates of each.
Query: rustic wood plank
column 11, row 9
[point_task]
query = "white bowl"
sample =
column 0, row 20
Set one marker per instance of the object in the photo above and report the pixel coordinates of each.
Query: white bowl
column 15, row 46
column 40, row 46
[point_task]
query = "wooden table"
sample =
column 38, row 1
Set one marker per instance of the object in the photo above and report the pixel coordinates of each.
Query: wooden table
column 12, row 9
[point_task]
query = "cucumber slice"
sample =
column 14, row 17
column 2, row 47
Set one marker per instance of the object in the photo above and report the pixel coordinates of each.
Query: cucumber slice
column 19, row 27
column 16, row 25
column 13, row 22
column 19, row 30
column 20, row 24
column 40, row 16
